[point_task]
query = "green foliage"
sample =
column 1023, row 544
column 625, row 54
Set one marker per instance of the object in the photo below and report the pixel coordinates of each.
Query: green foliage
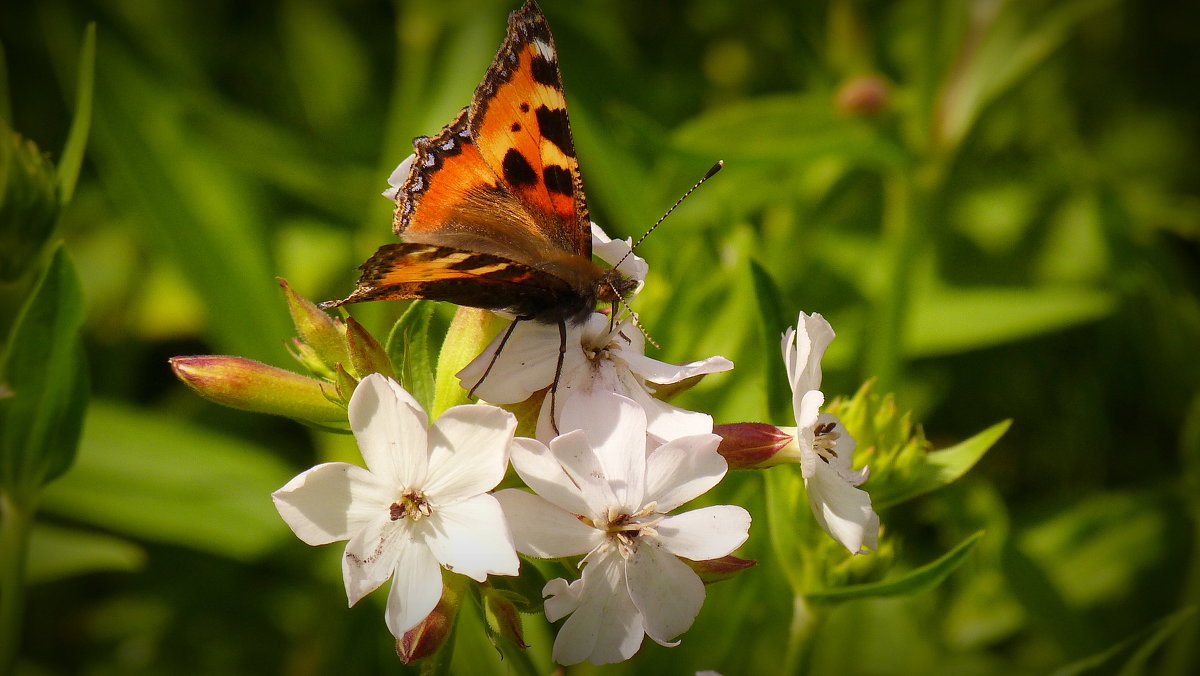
column 993, row 203
column 43, row 369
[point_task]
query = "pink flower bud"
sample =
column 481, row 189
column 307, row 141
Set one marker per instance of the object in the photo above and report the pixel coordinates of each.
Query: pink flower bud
column 753, row 445
column 430, row 633
column 716, row 570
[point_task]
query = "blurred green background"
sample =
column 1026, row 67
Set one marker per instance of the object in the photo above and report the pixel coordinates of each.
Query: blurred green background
column 995, row 203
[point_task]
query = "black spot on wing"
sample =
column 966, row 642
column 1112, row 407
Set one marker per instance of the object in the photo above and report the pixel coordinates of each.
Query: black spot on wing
column 558, row 180
column 545, row 72
column 517, row 170
column 552, row 123
column 524, row 107
column 516, row 127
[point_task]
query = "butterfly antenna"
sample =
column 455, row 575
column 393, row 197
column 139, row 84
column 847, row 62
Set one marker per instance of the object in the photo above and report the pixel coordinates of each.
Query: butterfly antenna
column 711, row 172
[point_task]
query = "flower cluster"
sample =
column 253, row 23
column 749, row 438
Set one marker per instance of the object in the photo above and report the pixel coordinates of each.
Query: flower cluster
column 604, row 477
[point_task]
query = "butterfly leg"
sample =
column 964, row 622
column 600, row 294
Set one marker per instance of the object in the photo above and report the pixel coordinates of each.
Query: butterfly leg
column 495, row 356
column 562, row 354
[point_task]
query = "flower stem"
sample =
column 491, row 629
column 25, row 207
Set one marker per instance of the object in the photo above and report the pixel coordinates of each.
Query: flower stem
column 16, row 522
column 800, row 637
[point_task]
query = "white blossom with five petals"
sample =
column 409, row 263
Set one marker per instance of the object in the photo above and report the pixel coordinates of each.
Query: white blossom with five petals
column 826, row 449
column 600, row 494
column 420, row 504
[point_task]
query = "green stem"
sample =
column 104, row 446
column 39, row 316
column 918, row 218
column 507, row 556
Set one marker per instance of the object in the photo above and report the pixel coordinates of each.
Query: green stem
column 800, row 637
column 16, row 523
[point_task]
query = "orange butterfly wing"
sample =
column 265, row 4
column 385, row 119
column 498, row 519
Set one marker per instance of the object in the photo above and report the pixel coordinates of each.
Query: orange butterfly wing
column 498, row 191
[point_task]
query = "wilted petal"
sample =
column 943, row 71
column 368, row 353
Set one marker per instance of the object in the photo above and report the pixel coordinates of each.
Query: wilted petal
column 471, row 537
column 842, row 510
column 372, row 553
column 605, row 627
column 391, row 430
column 705, row 533
column 541, row 529
column 416, row 588
column 330, row 502
column 468, row 451
column 666, row 591
column 683, row 469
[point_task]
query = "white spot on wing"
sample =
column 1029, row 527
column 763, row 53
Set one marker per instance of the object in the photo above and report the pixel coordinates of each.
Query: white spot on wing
column 544, row 49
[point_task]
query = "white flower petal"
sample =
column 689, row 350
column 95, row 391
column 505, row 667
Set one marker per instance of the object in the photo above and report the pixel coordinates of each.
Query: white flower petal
column 705, row 533
column 665, row 422
column 471, row 537
column 468, row 451
column 525, row 365
column 616, row 429
column 331, row 502
column 398, row 177
column 803, row 348
column 667, row 592
column 541, row 470
column 416, row 589
column 614, row 251
column 663, row 373
column 372, row 553
column 842, row 510
column 391, row 429
column 844, row 449
column 683, row 469
column 561, row 598
column 543, row 530
column 605, row 627
column 581, row 471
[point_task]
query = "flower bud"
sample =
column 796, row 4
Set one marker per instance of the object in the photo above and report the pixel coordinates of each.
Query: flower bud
column 503, row 617
column 324, row 334
column 862, row 95
column 431, row 633
column 29, row 203
column 716, row 570
column 755, row 445
column 367, row 356
column 253, row 386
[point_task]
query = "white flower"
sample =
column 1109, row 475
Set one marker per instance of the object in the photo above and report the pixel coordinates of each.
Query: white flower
column 420, row 504
column 599, row 493
column 600, row 359
column 826, row 449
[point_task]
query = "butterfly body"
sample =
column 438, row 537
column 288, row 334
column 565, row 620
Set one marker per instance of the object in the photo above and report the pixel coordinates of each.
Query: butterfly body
column 492, row 212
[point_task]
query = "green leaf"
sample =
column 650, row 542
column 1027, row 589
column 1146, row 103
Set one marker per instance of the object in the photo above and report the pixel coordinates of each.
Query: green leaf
column 1131, row 654
column 412, row 352
column 920, row 580
column 772, row 322
column 797, row 130
column 58, row 553
column 43, row 367
column 952, row 321
column 81, row 121
column 942, row 467
column 170, row 481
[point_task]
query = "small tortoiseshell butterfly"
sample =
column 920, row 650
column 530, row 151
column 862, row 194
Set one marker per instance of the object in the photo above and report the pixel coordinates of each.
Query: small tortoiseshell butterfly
column 492, row 214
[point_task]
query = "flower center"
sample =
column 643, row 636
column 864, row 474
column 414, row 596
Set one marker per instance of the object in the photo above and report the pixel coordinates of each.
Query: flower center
column 623, row 530
column 598, row 347
column 412, row 505
column 825, row 437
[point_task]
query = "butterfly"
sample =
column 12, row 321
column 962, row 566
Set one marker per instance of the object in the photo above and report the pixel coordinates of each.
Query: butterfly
column 492, row 213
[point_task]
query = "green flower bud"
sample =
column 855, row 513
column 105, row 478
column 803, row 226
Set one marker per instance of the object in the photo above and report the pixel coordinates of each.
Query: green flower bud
column 325, row 335
column 431, row 633
column 253, row 386
column 367, row 356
